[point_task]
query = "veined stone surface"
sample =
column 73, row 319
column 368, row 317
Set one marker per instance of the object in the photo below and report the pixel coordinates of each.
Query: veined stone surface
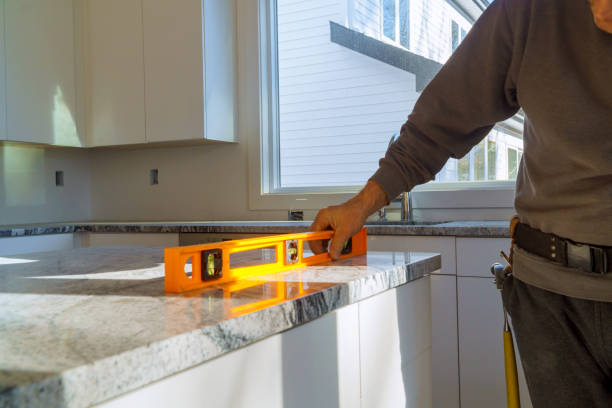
column 81, row 326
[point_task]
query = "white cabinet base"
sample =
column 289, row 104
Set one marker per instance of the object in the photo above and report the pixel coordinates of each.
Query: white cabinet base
column 363, row 355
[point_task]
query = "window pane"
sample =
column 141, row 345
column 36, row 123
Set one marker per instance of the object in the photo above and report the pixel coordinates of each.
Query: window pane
column 463, row 169
column 389, row 18
column 338, row 107
column 491, row 160
column 404, row 17
column 463, row 34
column 455, row 35
column 512, row 163
column 479, row 161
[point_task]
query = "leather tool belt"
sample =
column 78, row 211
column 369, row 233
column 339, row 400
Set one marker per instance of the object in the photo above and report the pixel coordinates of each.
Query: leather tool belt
column 590, row 258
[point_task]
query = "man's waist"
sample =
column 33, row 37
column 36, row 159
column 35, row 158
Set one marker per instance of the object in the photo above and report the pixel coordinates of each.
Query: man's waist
column 588, row 257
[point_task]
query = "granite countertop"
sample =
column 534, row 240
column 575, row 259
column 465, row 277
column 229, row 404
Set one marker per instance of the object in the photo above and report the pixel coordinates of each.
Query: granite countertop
column 491, row 229
column 79, row 327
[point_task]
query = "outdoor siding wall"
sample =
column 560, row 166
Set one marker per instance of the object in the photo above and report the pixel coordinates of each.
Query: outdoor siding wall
column 338, row 109
column 365, row 17
column 430, row 28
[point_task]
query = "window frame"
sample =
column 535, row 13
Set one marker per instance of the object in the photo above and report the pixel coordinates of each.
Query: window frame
column 258, row 109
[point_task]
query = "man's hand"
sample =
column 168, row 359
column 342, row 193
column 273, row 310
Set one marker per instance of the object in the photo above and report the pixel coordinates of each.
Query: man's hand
column 347, row 219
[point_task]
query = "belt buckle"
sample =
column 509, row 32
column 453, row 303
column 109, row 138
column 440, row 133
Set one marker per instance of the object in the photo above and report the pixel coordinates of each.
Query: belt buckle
column 587, row 257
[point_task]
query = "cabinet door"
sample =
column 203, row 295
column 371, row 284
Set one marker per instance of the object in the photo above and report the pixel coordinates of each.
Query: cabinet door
column 395, row 347
column 476, row 255
column 115, row 109
column 481, row 347
column 2, row 75
column 174, row 70
column 40, row 73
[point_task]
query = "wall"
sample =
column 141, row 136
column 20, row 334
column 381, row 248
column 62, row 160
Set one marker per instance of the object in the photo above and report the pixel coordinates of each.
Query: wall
column 207, row 182
column 28, row 193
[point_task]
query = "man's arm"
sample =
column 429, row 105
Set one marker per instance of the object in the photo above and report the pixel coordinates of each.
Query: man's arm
column 475, row 89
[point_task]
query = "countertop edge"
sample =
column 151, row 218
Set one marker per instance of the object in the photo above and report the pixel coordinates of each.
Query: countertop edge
column 458, row 228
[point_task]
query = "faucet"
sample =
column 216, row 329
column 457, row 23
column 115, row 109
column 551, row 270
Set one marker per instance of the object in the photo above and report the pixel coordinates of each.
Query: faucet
column 405, row 198
column 406, row 207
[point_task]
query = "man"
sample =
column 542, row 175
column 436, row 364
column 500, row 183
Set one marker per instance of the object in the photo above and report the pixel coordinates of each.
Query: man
column 553, row 58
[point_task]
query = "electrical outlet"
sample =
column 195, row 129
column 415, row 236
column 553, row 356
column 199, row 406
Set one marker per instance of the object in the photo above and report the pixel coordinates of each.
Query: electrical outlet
column 59, row 178
column 154, row 177
column 296, row 215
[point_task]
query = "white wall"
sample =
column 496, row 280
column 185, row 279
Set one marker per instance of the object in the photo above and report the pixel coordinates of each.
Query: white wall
column 208, row 182
column 28, row 193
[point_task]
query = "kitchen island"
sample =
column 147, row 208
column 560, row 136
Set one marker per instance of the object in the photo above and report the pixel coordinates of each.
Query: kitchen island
column 93, row 326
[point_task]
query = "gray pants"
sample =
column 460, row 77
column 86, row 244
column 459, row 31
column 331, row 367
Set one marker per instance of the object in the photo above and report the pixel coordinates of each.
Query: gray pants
column 565, row 346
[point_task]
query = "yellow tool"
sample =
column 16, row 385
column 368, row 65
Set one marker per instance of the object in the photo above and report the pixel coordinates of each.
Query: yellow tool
column 512, row 390
column 501, row 273
column 211, row 262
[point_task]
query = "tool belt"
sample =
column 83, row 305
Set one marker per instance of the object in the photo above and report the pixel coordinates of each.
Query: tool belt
column 590, row 258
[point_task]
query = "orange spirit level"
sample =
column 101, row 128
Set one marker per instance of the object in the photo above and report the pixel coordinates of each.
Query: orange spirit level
column 210, row 263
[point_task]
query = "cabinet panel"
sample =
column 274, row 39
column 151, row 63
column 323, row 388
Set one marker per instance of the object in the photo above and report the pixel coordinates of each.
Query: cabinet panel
column 476, row 255
column 220, row 70
column 174, row 69
column 35, row 243
column 445, row 246
column 395, row 352
column 314, row 365
column 40, row 73
column 115, row 72
column 481, row 347
column 444, row 353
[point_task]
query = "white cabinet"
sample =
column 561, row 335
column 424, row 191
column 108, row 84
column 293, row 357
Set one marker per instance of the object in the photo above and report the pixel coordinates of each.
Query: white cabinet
column 395, row 347
column 41, row 101
column 445, row 246
column 476, row 255
column 115, row 104
column 444, row 353
column 189, row 69
column 160, row 71
column 2, row 75
column 481, row 358
column 35, row 243
column 376, row 353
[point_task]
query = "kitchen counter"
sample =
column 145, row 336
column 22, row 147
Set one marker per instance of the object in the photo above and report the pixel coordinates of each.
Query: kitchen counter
column 488, row 229
column 82, row 326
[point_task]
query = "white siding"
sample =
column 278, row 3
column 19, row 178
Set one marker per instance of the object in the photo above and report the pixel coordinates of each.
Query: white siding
column 365, row 17
column 338, row 108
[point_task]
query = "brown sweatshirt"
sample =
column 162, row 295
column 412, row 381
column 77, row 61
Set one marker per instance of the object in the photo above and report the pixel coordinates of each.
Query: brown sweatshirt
column 549, row 58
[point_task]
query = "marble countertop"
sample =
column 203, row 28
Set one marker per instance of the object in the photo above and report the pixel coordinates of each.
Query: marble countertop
column 492, row 229
column 82, row 326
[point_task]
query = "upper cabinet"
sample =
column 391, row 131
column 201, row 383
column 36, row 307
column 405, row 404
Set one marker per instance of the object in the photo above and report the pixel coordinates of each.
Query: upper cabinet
column 90, row 73
column 160, row 71
column 41, row 103
column 114, row 72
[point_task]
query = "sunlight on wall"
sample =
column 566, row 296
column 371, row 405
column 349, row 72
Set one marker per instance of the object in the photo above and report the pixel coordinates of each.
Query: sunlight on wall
column 24, row 175
column 64, row 128
column 14, row 261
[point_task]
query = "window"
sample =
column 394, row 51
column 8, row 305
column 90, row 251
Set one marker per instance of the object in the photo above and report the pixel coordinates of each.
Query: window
column 514, row 158
column 332, row 109
column 396, row 21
